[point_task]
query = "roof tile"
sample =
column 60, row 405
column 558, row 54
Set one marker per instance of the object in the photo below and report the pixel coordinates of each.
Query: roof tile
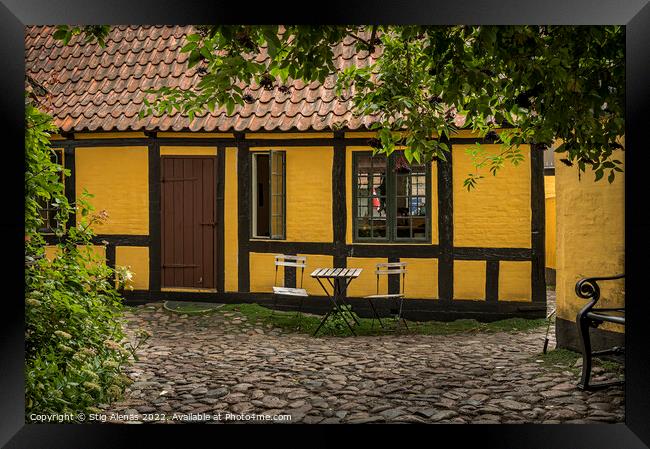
column 97, row 88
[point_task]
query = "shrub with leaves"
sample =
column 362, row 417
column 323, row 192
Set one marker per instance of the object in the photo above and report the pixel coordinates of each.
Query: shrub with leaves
column 336, row 324
column 74, row 343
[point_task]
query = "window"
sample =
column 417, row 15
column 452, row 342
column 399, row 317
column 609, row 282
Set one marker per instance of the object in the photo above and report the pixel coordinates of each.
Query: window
column 391, row 198
column 49, row 210
column 268, row 196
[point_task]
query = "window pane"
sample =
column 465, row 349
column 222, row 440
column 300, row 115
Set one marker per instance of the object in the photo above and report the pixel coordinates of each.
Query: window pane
column 362, row 207
column 403, row 229
column 363, row 184
column 419, row 227
column 277, row 186
column 363, row 227
column 262, row 195
column 410, row 200
column 379, row 227
column 371, row 195
column 402, row 206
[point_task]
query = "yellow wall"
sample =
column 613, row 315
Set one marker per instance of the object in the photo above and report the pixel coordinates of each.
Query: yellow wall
column 113, row 135
column 349, row 188
column 421, row 278
column 96, row 252
column 366, row 283
column 550, row 230
column 51, row 251
column 188, row 151
column 137, row 259
column 119, row 179
column 469, row 279
column 310, row 284
column 262, row 272
column 496, row 213
column 514, row 281
column 196, row 135
column 231, row 245
column 308, row 193
column 590, row 237
column 272, row 136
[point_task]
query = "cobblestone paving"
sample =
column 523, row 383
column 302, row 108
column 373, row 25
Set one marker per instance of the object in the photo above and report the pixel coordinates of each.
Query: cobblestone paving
column 204, row 365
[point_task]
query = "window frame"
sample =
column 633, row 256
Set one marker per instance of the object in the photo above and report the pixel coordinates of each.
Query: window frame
column 252, row 211
column 49, row 230
column 391, row 203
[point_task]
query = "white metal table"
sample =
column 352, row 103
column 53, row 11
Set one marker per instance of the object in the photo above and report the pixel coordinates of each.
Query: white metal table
column 339, row 279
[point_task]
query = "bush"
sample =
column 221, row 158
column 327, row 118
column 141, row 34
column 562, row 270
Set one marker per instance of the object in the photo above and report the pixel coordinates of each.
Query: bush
column 75, row 347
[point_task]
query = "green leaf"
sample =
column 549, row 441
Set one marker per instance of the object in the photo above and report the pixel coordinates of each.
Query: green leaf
column 189, row 47
column 59, row 34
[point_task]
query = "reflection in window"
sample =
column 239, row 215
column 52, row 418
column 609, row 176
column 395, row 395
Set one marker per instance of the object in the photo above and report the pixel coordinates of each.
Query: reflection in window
column 390, row 198
column 371, row 197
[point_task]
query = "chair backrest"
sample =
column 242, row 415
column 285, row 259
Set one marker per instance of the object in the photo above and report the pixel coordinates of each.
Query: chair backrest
column 386, row 269
column 290, row 261
column 285, row 260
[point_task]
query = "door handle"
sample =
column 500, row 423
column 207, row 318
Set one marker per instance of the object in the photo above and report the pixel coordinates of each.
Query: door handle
column 208, row 224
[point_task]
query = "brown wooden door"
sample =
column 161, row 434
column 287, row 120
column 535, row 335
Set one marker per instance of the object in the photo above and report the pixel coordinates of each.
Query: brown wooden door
column 188, row 221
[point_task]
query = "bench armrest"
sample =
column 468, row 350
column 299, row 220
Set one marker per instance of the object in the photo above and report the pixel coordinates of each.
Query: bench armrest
column 587, row 288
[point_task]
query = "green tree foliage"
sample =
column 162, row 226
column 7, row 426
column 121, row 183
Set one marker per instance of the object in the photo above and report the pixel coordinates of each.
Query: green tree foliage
column 89, row 33
column 74, row 348
column 545, row 84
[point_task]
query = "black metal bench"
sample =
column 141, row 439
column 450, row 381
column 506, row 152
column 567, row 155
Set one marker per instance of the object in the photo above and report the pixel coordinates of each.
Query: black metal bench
column 589, row 317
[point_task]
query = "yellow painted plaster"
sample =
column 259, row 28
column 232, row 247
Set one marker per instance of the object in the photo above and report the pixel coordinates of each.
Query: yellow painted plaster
column 114, row 135
column 314, row 261
column 97, row 253
column 118, row 177
column 421, row 278
column 231, row 252
column 366, row 283
column 51, row 251
column 590, row 237
column 197, row 135
column 497, row 212
column 277, row 136
column 137, row 259
column 469, row 279
column 308, row 193
column 262, row 272
column 515, row 281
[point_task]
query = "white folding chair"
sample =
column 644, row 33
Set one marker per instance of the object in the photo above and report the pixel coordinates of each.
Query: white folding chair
column 284, row 260
column 389, row 269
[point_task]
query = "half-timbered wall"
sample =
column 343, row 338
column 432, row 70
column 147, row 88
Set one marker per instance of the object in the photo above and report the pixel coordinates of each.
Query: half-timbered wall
column 484, row 255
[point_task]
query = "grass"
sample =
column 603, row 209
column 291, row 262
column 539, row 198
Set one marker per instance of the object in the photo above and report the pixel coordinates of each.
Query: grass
column 291, row 322
column 560, row 358
column 565, row 359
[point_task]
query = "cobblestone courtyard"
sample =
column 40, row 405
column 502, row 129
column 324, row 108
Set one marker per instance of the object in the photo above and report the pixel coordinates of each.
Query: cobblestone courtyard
column 221, row 363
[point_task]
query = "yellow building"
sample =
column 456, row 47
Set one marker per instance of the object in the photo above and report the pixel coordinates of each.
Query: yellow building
column 591, row 243
column 198, row 209
column 550, row 216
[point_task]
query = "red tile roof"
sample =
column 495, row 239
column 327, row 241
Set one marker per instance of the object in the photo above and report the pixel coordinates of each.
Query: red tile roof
column 102, row 89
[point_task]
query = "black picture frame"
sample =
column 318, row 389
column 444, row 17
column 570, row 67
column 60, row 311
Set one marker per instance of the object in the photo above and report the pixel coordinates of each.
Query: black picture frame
column 634, row 14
